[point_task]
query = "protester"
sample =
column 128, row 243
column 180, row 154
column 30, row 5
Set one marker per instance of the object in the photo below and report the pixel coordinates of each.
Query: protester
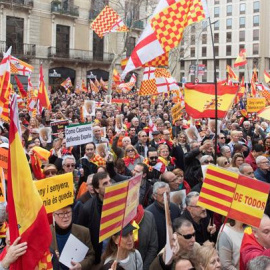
column 131, row 157
column 262, row 172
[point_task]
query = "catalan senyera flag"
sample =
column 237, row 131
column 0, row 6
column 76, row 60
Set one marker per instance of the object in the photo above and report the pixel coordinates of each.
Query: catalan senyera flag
column 108, row 21
column 241, row 59
column 42, row 97
column 266, row 76
column 234, row 196
column 165, row 30
column 20, row 67
column 231, row 73
column 27, row 218
column 21, row 90
column 266, row 94
column 119, row 206
column 200, row 99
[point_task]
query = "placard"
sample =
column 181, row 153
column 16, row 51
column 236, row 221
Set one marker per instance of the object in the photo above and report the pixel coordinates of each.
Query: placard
column 255, row 104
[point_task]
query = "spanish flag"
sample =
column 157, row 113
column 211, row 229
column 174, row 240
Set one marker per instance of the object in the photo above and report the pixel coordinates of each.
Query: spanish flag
column 241, row 59
column 266, row 76
column 27, row 215
column 21, row 90
column 116, row 76
column 231, row 73
column 42, row 93
column 200, row 99
column 124, row 63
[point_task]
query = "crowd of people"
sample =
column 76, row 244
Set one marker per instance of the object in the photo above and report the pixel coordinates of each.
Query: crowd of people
column 171, row 160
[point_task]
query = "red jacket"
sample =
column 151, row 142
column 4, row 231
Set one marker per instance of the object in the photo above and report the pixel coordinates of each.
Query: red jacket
column 251, row 161
column 250, row 249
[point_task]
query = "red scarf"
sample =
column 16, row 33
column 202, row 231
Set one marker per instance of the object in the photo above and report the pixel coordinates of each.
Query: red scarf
column 129, row 160
column 138, row 219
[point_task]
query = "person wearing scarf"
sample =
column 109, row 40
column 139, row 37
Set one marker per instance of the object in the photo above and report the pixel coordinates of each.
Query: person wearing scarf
column 131, row 157
column 164, row 162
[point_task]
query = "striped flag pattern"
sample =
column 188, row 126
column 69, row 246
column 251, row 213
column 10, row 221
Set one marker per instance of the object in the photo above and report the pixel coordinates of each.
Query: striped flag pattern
column 266, row 76
column 119, row 206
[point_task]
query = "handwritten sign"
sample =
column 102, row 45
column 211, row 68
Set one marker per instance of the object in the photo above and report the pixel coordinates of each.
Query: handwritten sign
column 56, row 192
column 59, row 126
column 255, row 104
column 176, row 111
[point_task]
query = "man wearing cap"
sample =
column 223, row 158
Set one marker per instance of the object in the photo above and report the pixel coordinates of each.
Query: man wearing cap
column 156, row 138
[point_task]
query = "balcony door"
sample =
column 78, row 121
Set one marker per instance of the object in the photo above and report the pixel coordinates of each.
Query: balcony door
column 98, row 47
column 62, row 40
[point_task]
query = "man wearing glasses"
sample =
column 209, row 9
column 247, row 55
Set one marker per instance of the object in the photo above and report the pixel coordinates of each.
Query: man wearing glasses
column 262, row 173
column 151, row 161
column 61, row 232
column 199, row 217
column 142, row 144
column 184, row 246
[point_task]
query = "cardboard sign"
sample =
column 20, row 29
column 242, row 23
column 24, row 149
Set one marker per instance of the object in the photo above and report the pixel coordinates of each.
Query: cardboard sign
column 78, row 134
column 176, row 111
column 56, row 192
column 4, row 160
column 255, row 104
column 59, row 126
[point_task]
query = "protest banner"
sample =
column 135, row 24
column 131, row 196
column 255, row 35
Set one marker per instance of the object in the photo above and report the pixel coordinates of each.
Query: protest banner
column 2, row 186
column 119, row 206
column 59, row 126
column 233, row 195
column 56, row 192
column 255, row 104
column 78, row 134
column 176, row 111
column 4, row 160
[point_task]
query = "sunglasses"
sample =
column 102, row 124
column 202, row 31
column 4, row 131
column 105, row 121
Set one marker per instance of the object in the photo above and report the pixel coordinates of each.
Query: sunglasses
column 226, row 163
column 208, row 161
column 70, row 165
column 130, row 150
column 153, row 158
column 50, row 172
column 222, row 137
column 187, row 236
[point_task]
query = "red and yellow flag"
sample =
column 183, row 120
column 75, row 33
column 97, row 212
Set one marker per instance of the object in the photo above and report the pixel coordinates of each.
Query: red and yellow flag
column 233, row 195
column 253, row 87
column 93, row 87
column 241, row 59
column 42, row 92
column 119, row 206
column 266, row 76
column 200, row 99
column 21, row 90
column 27, row 215
column 124, row 63
column 231, row 73
column 255, row 75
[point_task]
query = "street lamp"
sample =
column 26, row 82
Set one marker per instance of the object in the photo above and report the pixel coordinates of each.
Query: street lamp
column 197, row 49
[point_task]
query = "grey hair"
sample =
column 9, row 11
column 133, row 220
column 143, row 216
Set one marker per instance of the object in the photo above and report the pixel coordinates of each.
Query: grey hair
column 259, row 159
column 68, row 157
column 179, row 222
column 204, row 158
column 246, row 123
column 224, row 148
column 159, row 185
column 259, row 263
column 190, row 196
column 243, row 166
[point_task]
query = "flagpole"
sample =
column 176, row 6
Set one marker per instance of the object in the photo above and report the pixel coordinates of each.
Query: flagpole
column 216, row 88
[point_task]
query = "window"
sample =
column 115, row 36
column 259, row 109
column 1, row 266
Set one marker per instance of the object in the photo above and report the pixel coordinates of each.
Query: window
column 192, row 52
column 229, row 1
column 182, row 64
column 204, row 25
column 242, row 8
column 62, row 40
column 217, row 63
column 228, row 62
column 192, row 40
column 204, row 38
column 98, row 47
column 216, row 50
column 229, row 10
column 204, row 62
column 204, row 51
column 216, row 25
column 229, row 23
column 256, row 6
column 216, row 37
column 256, row 34
column 241, row 47
column 242, row 22
column 193, row 29
column 229, row 37
column 255, row 48
column 228, row 50
column 241, row 75
column 130, row 45
column 216, row 12
column 242, row 35
column 216, row 2
column 256, row 20
column 14, row 34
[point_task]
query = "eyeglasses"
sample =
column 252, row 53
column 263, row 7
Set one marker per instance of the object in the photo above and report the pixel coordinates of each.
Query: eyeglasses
column 62, row 215
column 130, row 150
column 70, row 165
column 166, row 133
column 208, row 161
column 222, row 137
column 187, row 236
column 143, row 135
column 265, row 162
column 50, row 172
column 153, row 158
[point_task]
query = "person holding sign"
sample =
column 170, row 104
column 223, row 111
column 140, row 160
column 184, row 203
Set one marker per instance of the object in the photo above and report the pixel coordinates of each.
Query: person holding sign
column 61, row 231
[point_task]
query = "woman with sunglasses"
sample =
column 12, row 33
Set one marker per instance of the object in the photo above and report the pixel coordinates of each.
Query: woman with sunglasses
column 131, row 157
column 223, row 162
column 165, row 162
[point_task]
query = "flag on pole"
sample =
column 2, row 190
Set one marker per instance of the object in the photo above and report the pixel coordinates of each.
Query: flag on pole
column 67, row 83
column 231, row 73
column 116, row 76
column 266, row 76
column 108, row 21
column 104, row 85
column 165, row 29
column 21, row 90
column 200, row 99
column 20, row 67
column 27, row 218
column 42, row 97
column 127, row 87
column 123, row 63
column 253, row 87
column 241, row 59
column 234, row 196
column 93, row 87
column 119, row 206
column 255, row 75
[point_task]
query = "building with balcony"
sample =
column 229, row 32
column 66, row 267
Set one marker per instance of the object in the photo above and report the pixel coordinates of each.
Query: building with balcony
column 57, row 34
column 236, row 24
